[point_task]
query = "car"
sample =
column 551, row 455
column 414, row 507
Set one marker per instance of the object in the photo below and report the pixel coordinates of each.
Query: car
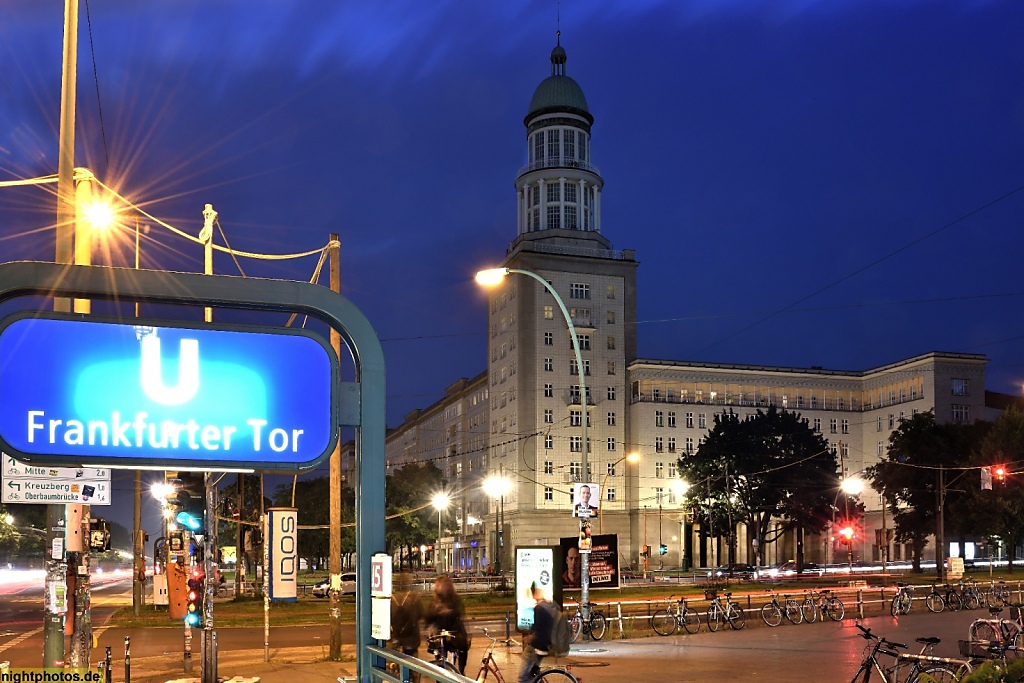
column 788, row 568
column 736, row 570
column 322, row 588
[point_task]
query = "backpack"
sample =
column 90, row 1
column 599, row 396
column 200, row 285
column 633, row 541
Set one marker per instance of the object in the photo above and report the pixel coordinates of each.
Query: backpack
column 561, row 635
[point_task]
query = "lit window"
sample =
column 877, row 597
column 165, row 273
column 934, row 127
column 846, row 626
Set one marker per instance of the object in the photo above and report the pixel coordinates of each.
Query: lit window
column 549, row 312
column 659, row 470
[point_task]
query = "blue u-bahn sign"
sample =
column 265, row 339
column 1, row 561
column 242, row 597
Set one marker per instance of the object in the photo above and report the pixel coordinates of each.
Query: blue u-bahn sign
column 214, row 397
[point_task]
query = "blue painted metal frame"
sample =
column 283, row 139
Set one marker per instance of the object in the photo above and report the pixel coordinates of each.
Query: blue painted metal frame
column 23, row 278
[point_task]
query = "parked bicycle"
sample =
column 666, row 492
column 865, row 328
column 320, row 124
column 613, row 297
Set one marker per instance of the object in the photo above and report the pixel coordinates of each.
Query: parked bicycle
column 728, row 611
column 592, row 627
column 997, row 594
column 674, row 616
column 921, row 668
column 489, row 666
column 969, row 595
column 999, row 630
column 442, row 646
column 773, row 612
column 902, row 600
column 822, row 603
column 978, row 652
column 944, row 598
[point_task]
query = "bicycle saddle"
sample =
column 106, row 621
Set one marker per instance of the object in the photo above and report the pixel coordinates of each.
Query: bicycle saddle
column 929, row 641
column 994, row 610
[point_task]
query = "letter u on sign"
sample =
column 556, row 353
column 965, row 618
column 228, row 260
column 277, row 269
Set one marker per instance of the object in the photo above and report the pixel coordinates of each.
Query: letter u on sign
column 152, row 372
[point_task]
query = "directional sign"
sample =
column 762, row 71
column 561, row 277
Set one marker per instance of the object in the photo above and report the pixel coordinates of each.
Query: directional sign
column 24, row 483
column 98, row 393
column 19, row 470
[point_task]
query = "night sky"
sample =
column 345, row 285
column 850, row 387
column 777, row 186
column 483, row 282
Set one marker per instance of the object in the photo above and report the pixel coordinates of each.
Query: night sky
column 805, row 182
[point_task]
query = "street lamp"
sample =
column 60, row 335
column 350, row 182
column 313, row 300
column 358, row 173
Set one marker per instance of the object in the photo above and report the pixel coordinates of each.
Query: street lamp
column 496, row 486
column 851, row 486
column 632, row 457
column 440, row 501
column 493, row 277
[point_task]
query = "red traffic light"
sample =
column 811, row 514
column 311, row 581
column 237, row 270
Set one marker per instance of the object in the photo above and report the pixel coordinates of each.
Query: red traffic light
column 192, row 595
column 847, row 533
column 999, row 472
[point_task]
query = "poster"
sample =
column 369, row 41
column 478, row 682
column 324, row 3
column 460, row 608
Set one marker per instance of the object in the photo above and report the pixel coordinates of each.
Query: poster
column 603, row 561
column 586, row 497
column 534, row 565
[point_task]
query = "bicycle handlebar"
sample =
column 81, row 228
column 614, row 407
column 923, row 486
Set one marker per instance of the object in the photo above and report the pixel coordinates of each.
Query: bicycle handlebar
column 866, row 634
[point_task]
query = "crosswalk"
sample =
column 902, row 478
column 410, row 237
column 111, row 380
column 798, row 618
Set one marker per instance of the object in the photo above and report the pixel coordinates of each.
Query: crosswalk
column 19, row 639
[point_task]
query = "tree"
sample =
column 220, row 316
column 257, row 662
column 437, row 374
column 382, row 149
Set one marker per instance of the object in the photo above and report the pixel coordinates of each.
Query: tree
column 770, row 466
column 411, row 518
column 313, row 501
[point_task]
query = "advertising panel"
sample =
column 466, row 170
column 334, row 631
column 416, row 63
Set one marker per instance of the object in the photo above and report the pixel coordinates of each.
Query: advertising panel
column 283, row 560
column 604, row 561
column 119, row 395
column 535, row 565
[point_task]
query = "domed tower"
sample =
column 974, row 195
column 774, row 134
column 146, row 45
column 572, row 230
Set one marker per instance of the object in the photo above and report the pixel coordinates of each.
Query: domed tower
column 559, row 189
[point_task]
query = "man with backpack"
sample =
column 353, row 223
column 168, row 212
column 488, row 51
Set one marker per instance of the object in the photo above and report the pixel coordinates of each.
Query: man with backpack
column 545, row 616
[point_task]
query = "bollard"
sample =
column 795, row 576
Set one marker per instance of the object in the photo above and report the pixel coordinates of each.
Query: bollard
column 108, row 674
column 621, row 633
column 127, row 659
column 860, row 603
column 508, row 628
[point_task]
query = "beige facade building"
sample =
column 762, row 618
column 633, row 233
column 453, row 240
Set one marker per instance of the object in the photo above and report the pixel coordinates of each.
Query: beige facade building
column 521, row 418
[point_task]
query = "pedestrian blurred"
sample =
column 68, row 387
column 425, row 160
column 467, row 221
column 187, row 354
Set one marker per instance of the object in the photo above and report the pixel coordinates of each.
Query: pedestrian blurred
column 406, row 612
column 446, row 613
column 538, row 638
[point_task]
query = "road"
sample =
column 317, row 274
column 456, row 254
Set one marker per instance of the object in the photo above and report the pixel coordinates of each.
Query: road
column 817, row 652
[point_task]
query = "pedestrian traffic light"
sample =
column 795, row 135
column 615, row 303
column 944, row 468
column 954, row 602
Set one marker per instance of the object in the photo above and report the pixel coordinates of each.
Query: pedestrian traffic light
column 662, row 549
column 192, row 513
column 196, row 593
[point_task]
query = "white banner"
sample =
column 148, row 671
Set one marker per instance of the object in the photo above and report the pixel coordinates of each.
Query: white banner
column 282, row 547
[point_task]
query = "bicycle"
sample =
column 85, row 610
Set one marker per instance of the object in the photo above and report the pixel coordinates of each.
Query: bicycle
column 488, row 666
column 902, row 600
column 997, row 629
column 923, row 667
column 730, row 612
column 438, row 645
column 773, row 612
column 592, row 627
column 937, row 600
column 969, row 595
column 997, row 594
column 822, row 603
column 667, row 621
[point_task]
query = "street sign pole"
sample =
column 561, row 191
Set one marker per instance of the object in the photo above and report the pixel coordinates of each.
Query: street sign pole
column 209, row 646
column 55, row 599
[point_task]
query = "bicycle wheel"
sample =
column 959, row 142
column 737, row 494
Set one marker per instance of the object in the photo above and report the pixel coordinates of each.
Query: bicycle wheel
column 794, row 614
column 446, row 664
column 934, row 602
column 982, row 630
column 810, row 610
column 970, row 600
column 894, row 608
column 664, row 622
column 991, row 599
column 691, row 621
column 714, row 618
column 576, row 625
column 735, row 615
column 597, row 625
column 933, row 673
column 953, row 602
column 555, row 676
column 771, row 614
column 835, row 609
column 905, row 604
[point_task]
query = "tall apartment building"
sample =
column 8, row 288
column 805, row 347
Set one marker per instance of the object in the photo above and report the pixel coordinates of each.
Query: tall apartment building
column 522, row 418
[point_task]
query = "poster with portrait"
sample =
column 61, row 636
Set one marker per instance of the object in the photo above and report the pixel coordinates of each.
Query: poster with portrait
column 603, row 562
column 586, row 498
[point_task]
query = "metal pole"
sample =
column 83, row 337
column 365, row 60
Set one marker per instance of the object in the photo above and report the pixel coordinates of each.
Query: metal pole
column 209, row 645
column 335, row 482
column 885, row 539
column 81, row 636
column 127, row 659
column 940, row 526
column 206, row 236
column 138, row 551
column 239, row 554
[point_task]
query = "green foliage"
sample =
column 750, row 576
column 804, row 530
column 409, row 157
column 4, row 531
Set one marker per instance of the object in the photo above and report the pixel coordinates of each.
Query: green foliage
column 412, row 520
column 992, row 672
column 313, row 500
column 767, row 467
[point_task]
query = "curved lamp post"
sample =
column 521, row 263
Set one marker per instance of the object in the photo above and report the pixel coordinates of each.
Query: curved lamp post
column 493, row 277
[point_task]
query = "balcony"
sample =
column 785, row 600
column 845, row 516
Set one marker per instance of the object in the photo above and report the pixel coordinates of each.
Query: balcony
column 559, row 163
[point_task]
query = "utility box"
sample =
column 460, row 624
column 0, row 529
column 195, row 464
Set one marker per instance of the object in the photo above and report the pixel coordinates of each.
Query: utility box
column 160, row 590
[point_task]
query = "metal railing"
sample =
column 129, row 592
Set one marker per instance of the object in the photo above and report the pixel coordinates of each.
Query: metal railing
column 395, row 667
column 559, row 163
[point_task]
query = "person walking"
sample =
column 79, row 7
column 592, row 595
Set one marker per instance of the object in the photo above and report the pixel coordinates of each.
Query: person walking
column 406, row 613
column 446, row 613
column 539, row 635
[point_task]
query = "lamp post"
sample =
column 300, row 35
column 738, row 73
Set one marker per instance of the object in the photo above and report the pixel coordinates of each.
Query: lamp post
column 632, row 457
column 492, row 277
column 680, row 487
column 496, row 486
column 440, row 501
column 850, row 486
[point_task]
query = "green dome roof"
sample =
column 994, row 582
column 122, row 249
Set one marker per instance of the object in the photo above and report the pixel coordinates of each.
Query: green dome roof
column 558, row 92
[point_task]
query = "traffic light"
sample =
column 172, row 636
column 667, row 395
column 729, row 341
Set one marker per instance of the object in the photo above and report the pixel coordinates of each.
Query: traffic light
column 662, row 549
column 645, row 551
column 846, row 533
column 192, row 513
column 999, row 473
column 196, row 593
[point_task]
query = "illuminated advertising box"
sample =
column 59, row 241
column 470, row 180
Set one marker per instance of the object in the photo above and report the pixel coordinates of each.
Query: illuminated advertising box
column 89, row 391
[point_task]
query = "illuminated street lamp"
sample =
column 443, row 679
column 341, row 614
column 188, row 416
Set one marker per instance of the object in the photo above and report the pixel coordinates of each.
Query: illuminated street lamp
column 633, row 458
column 493, row 277
column 497, row 486
column 440, row 501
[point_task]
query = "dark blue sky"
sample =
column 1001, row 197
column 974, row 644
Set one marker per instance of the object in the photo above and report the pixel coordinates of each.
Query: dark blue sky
column 754, row 153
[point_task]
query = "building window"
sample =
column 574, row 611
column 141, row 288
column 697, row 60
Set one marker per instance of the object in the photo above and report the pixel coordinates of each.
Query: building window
column 610, row 291
column 689, row 444
column 961, row 387
column 611, row 343
column 846, row 426
column 549, row 391
column 833, row 426
column 579, row 290
column 549, row 442
column 671, row 444
column 817, row 425
column 689, row 420
column 961, row 413
column 611, row 393
column 881, row 449
column 574, row 369
column 671, row 470
column 879, row 423
column 575, row 470
column 580, row 317
column 568, row 146
column 892, row 421
column 584, row 342
column 553, row 139
column 671, row 418
column 611, row 469
column 575, row 418
column 549, row 493
column 611, row 317
column 659, row 470
column 575, row 444
column 549, row 312
column 611, row 367
column 611, row 419
column 549, row 417
column 549, row 339
column 702, row 420
column 554, row 192
column 659, row 444
column 554, row 213
column 611, row 443
column 659, row 418
column 549, row 365
column 549, row 467
column 659, row 495
column 610, row 494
